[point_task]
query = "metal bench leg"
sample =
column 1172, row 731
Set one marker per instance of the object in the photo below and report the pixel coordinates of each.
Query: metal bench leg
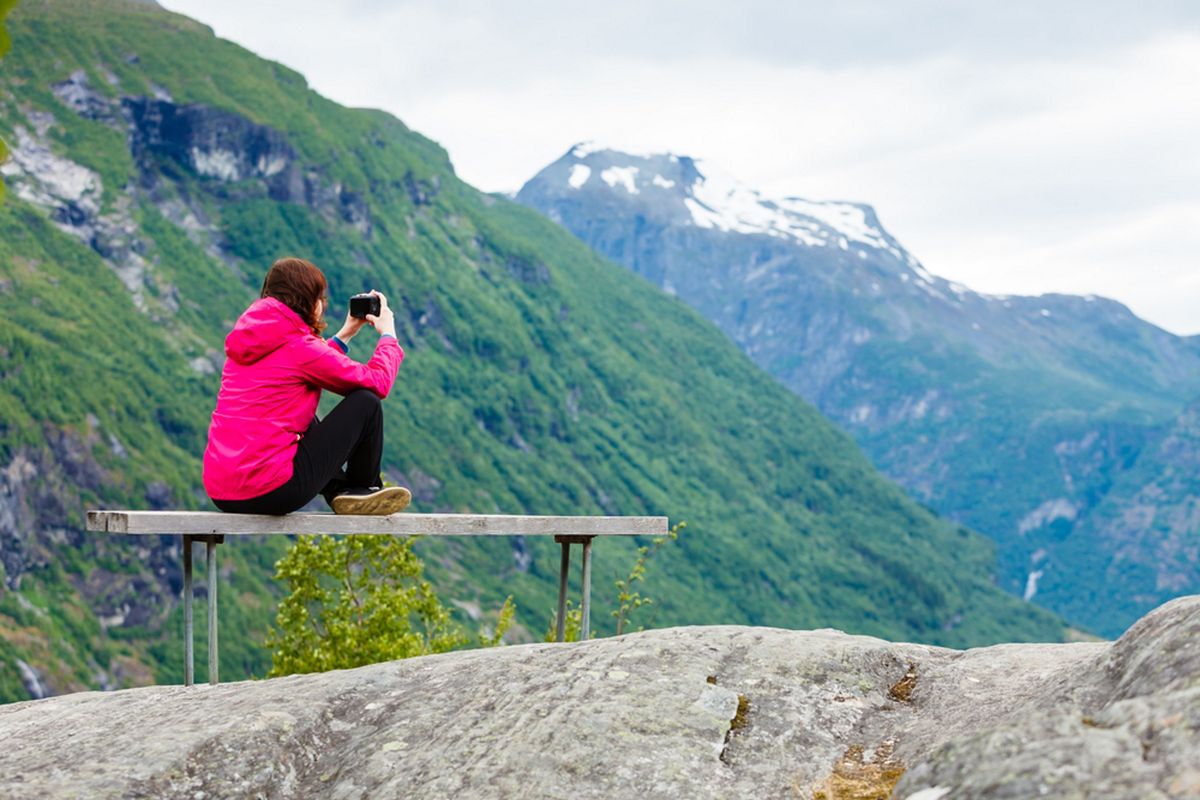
column 564, row 567
column 188, row 673
column 586, row 626
column 212, row 609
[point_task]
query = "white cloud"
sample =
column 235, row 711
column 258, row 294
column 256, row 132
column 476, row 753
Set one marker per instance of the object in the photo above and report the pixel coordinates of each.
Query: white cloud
column 1062, row 160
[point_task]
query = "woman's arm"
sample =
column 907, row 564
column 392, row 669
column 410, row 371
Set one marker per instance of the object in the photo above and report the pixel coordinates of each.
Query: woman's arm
column 329, row 368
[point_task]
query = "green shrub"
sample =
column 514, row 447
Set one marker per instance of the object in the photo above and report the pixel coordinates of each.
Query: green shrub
column 355, row 600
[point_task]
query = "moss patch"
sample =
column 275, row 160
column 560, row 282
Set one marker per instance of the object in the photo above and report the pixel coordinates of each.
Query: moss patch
column 740, row 719
column 902, row 689
column 855, row 778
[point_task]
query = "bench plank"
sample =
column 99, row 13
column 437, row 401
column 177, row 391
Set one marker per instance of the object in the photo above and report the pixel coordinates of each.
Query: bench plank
column 211, row 522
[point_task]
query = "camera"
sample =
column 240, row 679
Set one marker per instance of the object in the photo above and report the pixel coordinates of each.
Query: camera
column 363, row 304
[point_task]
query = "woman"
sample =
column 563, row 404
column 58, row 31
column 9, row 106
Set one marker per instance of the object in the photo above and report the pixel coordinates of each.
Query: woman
column 267, row 452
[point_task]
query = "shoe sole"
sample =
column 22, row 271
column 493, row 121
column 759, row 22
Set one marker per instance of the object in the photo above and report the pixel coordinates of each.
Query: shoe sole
column 389, row 500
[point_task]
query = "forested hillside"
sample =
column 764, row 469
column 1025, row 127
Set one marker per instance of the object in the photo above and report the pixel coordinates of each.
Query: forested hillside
column 156, row 171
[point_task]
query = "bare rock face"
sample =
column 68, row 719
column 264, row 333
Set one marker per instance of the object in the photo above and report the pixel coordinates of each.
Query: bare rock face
column 684, row 712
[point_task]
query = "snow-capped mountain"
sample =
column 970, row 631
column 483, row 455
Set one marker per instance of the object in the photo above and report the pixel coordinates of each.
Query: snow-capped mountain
column 1014, row 415
column 710, row 198
column 678, row 192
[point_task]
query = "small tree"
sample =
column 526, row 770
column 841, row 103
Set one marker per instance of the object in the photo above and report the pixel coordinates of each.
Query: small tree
column 628, row 600
column 572, row 625
column 359, row 600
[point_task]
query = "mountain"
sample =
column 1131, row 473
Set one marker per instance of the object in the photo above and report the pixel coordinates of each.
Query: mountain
column 156, row 171
column 1021, row 417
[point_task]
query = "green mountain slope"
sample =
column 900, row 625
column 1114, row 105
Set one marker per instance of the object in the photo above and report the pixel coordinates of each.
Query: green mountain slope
column 157, row 170
column 1015, row 416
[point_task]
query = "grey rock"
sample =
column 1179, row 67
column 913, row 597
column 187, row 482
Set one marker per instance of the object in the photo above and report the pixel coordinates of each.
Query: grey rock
column 32, row 680
column 71, row 194
column 77, row 94
column 210, row 142
column 683, row 712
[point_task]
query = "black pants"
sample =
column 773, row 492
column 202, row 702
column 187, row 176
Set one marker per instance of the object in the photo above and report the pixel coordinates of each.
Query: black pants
column 351, row 434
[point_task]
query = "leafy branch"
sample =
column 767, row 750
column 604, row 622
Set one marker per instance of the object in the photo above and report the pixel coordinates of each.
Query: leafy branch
column 628, row 599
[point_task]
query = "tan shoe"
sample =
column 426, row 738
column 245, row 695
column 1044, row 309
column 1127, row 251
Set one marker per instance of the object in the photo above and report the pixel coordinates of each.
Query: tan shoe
column 373, row 502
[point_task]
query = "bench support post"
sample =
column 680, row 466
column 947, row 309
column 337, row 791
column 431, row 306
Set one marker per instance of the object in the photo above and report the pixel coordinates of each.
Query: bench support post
column 585, row 627
column 585, row 607
column 563, row 571
column 188, row 673
column 212, row 608
column 189, row 626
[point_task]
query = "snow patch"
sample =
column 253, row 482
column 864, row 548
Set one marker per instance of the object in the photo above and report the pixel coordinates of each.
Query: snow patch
column 579, row 175
column 625, row 176
column 659, row 180
column 585, row 149
column 722, row 203
column 846, row 218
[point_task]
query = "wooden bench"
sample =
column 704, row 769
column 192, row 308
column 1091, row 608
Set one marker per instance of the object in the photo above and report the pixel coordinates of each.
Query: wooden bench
column 212, row 528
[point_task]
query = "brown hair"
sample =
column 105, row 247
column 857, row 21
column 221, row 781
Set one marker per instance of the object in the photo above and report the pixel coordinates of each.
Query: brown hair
column 298, row 284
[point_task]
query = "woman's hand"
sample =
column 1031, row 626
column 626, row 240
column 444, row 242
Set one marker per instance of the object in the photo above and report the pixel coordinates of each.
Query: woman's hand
column 384, row 322
column 350, row 327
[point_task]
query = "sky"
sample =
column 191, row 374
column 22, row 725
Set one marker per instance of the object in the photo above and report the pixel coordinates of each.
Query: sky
column 1017, row 147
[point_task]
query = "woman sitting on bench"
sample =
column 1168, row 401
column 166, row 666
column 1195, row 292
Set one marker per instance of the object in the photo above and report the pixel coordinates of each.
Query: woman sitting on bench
column 267, row 451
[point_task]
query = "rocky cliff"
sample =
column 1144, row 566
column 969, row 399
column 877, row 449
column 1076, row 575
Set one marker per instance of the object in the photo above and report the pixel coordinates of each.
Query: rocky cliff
column 684, row 712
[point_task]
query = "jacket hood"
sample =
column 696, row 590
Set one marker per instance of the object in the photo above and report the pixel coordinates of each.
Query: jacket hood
column 262, row 329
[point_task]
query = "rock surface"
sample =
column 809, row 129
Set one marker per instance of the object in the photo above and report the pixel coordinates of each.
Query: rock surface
column 683, row 712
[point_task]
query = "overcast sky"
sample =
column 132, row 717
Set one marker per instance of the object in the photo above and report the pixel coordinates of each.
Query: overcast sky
column 1016, row 147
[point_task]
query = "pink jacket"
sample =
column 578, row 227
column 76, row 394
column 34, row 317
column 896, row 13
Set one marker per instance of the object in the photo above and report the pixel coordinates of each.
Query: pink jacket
column 275, row 370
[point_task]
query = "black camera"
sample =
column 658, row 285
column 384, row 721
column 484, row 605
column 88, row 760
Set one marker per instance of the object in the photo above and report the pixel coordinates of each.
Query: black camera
column 363, row 304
